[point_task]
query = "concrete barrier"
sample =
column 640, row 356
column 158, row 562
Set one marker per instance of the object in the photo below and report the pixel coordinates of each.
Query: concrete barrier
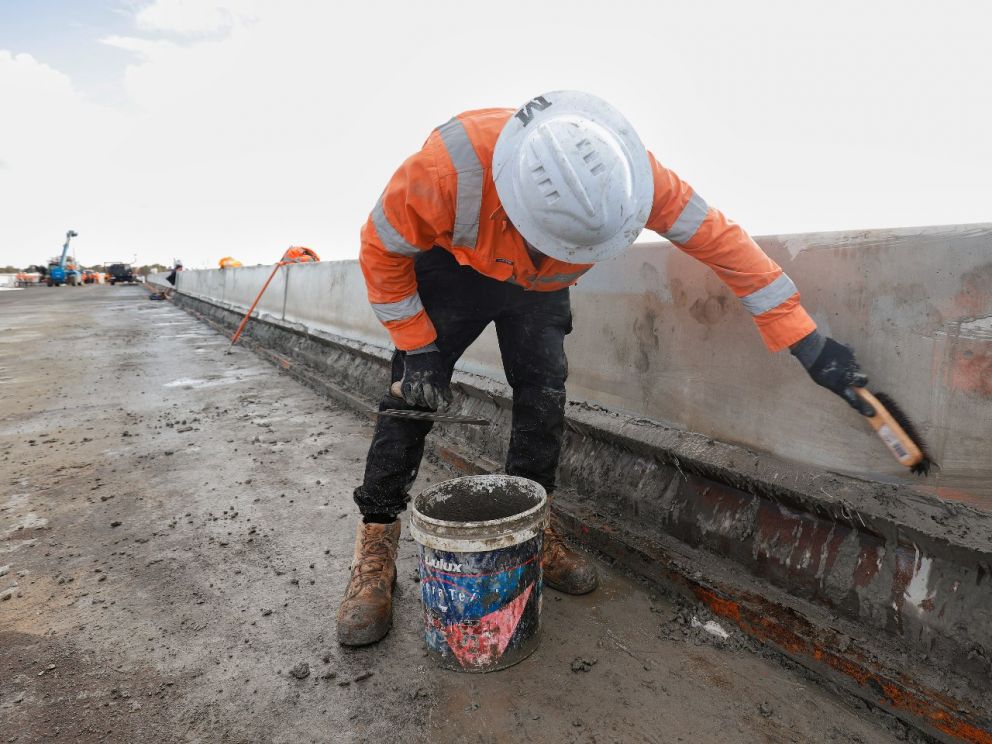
column 156, row 279
column 707, row 465
column 331, row 297
column 656, row 334
column 206, row 284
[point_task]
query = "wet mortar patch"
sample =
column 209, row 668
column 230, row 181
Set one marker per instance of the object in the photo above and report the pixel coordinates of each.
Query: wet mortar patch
column 477, row 502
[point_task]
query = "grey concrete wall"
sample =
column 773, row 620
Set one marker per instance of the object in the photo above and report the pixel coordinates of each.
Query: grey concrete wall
column 656, row 334
column 157, row 279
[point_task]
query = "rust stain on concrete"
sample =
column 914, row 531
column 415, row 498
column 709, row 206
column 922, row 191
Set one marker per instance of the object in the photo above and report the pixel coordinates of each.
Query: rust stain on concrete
column 776, row 626
column 971, row 370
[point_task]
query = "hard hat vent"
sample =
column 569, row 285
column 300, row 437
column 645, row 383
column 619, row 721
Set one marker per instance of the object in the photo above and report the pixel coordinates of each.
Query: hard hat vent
column 590, row 157
column 545, row 184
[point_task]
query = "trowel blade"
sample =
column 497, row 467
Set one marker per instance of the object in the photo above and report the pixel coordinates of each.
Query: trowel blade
column 441, row 418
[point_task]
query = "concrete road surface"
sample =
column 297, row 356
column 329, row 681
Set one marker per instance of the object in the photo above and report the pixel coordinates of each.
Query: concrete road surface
column 175, row 531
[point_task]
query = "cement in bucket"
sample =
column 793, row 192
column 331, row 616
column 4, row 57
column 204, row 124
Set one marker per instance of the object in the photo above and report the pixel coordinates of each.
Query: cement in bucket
column 480, row 569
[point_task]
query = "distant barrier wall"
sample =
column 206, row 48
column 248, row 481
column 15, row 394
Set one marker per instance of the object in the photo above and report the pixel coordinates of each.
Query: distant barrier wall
column 658, row 335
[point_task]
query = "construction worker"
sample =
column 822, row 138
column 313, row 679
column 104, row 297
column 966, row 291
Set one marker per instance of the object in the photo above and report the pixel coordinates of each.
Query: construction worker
column 492, row 221
column 172, row 278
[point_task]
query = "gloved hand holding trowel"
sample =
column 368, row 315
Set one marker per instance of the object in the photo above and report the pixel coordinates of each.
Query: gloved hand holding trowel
column 424, row 382
column 424, row 386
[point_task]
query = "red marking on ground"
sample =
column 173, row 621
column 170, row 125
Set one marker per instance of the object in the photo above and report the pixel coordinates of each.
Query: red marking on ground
column 725, row 607
column 922, row 704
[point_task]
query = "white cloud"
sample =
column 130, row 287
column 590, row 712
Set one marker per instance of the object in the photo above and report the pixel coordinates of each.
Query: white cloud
column 193, row 17
column 35, row 99
column 51, row 141
column 250, row 126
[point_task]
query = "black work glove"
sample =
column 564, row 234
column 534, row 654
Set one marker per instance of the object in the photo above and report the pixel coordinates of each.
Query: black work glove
column 835, row 368
column 424, row 382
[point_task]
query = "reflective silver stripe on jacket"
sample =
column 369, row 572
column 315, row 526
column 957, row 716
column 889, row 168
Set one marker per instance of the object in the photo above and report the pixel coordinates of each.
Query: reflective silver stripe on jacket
column 389, row 235
column 469, row 170
column 764, row 299
column 400, row 310
column 689, row 221
column 564, row 278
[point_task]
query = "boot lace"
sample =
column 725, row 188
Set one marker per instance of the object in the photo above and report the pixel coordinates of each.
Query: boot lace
column 554, row 546
column 375, row 557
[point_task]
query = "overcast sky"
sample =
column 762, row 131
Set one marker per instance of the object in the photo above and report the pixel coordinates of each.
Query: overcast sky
column 202, row 128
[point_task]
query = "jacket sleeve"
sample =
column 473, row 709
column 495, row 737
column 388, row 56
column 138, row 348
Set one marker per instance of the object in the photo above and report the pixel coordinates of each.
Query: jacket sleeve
column 408, row 218
column 683, row 217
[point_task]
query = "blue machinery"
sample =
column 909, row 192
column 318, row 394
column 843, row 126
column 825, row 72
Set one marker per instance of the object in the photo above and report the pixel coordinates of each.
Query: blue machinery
column 58, row 273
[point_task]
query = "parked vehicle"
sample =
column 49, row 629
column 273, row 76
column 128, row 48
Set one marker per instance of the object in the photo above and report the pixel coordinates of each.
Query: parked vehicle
column 34, row 276
column 121, row 273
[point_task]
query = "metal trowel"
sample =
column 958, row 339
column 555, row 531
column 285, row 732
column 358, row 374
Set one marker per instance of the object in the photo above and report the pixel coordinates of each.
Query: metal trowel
column 436, row 416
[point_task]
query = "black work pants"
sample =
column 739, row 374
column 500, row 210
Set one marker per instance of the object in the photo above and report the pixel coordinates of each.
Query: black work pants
column 531, row 328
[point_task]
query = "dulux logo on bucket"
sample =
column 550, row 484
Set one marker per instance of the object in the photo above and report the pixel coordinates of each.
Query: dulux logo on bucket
column 442, row 565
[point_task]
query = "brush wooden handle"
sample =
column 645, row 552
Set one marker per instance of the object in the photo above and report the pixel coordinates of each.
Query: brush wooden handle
column 902, row 447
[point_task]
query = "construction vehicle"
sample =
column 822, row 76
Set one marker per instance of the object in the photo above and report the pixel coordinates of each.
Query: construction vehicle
column 63, row 270
column 120, row 273
column 32, row 276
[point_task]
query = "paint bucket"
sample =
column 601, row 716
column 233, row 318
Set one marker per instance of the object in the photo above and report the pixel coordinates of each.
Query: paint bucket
column 480, row 569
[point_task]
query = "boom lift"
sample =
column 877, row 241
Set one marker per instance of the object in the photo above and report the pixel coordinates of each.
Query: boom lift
column 60, row 272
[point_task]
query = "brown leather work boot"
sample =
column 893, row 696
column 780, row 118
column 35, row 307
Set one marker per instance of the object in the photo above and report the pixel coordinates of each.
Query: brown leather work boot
column 366, row 613
column 564, row 569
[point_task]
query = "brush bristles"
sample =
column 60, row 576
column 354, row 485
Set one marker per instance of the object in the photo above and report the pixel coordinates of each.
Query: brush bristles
column 924, row 465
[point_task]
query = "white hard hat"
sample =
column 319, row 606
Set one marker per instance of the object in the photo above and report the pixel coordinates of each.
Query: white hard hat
column 573, row 177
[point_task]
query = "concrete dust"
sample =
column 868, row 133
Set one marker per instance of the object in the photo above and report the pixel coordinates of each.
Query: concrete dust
column 172, row 559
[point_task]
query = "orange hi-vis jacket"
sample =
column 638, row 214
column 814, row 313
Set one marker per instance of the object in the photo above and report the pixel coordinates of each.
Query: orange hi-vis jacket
column 445, row 196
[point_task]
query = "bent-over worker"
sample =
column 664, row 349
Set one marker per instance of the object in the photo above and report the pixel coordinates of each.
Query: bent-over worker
column 492, row 221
